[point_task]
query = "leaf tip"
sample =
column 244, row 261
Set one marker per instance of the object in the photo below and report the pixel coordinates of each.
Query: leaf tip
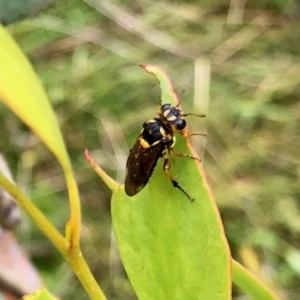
column 143, row 66
column 89, row 159
column 111, row 183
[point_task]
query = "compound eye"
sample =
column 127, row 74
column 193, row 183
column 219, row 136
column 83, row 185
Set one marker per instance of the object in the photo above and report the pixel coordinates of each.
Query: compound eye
column 180, row 125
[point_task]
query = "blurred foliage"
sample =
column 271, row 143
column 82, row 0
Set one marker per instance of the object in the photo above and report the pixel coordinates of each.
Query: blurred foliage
column 86, row 54
column 15, row 10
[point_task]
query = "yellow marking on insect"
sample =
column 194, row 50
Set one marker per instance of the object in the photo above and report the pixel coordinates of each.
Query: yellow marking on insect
column 144, row 143
column 174, row 141
column 171, row 118
column 166, row 112
column 151, row 121
column 155, row 143
column 162, row 131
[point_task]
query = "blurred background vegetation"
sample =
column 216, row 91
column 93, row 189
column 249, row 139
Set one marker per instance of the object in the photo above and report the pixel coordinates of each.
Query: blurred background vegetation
column 87, row 54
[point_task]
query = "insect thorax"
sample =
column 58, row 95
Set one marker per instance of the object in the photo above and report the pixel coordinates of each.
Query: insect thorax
column 155, row 132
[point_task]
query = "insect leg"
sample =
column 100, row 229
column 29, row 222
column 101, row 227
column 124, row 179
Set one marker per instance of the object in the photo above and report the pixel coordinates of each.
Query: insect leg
column 192, row 133
column 192, row 114
column 196, row 115
column 166, row 167
column 179, row 154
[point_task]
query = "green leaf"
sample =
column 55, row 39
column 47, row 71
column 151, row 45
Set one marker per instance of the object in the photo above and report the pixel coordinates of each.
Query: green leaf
column 22, row 92
column 173, row 248
column 251, row 285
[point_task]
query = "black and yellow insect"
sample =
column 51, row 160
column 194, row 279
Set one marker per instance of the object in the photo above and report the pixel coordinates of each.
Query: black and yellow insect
column 155, row 140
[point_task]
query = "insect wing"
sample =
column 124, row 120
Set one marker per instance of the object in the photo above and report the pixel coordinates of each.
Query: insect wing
column 140, row 165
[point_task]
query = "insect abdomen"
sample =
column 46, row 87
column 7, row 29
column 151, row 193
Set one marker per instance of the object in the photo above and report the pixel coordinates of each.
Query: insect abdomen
column 143, row 157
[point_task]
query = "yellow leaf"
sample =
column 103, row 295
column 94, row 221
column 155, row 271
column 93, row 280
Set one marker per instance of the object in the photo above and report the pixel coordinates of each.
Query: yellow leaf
column 22, row 92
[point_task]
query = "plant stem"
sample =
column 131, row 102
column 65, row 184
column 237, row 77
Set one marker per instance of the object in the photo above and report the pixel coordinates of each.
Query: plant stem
column 72, row 254
column 250, row 284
